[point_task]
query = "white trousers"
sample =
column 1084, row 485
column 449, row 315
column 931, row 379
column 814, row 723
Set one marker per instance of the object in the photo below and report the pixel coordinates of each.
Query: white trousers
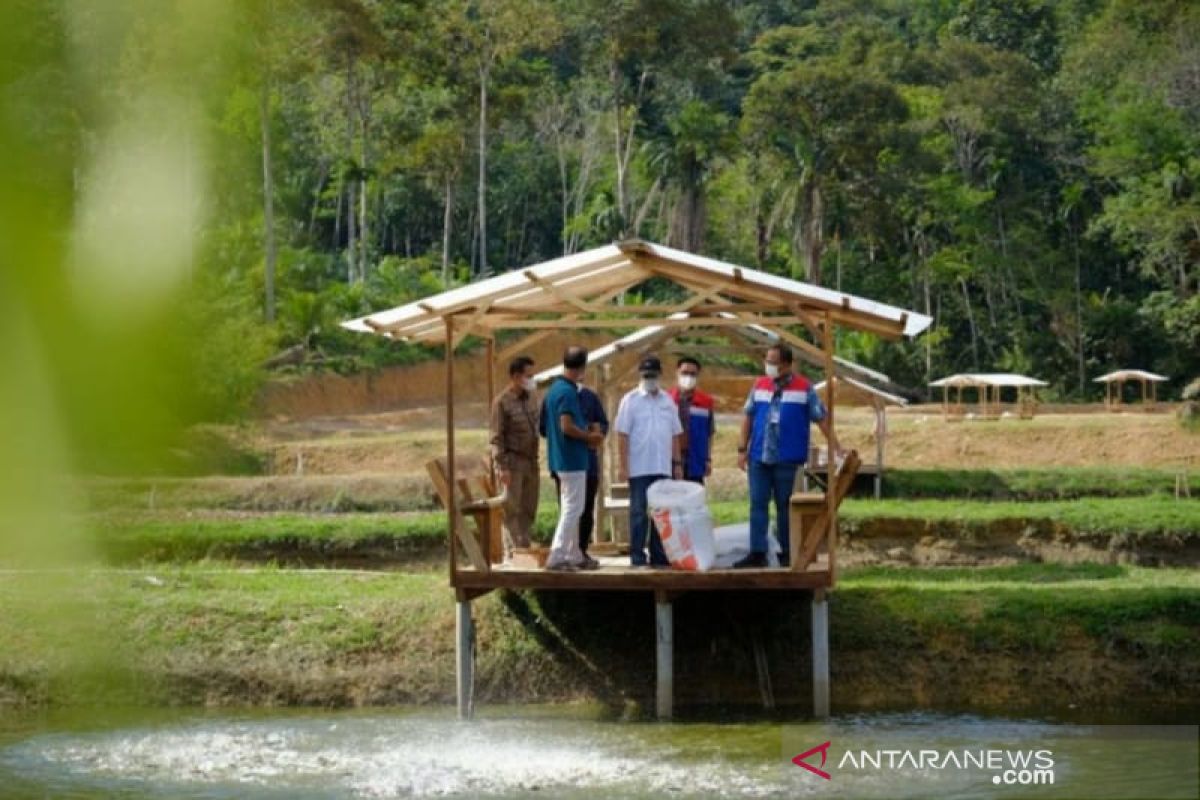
column 572, row 497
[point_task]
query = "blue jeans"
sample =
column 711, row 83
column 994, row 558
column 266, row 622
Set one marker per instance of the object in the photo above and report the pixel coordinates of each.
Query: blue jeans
column 639, row 521
column 767, row 481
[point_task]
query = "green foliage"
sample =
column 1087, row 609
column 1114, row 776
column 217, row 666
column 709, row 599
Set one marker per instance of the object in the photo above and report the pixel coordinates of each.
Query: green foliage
column 227, row 371
column 1025, row 172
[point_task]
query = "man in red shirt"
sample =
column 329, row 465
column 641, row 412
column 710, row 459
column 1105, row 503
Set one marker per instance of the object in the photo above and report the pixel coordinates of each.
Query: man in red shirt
column 697, row 415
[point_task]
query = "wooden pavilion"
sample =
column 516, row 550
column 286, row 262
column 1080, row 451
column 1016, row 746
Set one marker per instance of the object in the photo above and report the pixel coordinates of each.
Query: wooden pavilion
column 1114, row 387
column 988, row 385
column 584, row 291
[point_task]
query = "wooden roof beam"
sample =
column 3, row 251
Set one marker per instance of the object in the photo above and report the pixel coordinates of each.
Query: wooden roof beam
column 642, row 322
column 562, row 294
column 842, row 314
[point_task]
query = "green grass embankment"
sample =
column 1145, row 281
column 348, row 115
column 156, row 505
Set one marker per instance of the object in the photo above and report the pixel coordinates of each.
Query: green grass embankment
column 1026, row 637
column 412, row 492
column 1166, row 528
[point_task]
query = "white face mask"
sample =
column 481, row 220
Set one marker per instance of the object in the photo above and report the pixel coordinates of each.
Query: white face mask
column 649, row 384
column 529, row 384
column 772, row 370
column 687, row 382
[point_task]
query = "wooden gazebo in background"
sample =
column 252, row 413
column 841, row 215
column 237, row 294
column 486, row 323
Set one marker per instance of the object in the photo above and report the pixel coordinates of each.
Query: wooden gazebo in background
column 584, row 291
column 988, row 385
column 1114, row 386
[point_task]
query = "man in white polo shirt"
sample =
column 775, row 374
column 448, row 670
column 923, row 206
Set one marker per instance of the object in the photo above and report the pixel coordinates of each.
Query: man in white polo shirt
column 649, row 441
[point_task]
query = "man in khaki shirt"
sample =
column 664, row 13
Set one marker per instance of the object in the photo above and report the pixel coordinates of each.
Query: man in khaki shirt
column 514, row 439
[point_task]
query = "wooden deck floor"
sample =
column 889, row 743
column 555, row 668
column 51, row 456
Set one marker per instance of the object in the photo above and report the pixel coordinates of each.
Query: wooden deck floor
column 615, row 574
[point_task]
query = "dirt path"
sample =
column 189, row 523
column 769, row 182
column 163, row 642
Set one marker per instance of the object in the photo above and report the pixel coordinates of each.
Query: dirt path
column 400, row 442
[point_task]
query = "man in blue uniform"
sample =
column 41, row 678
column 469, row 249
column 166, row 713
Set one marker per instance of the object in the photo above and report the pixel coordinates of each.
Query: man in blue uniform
column 774, row 445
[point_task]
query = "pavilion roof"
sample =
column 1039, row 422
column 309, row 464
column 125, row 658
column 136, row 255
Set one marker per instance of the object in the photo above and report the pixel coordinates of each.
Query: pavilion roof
column 1131, row 375
column 967, row 379
column 582, row 290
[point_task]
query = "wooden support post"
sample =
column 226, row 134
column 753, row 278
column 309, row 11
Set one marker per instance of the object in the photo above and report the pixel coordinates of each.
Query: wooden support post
column 880, row 434
column 600, row 523
column 664, row 625
column 490, row 365
column 464, row 658
column 831, row 474
column 490, row 356
column 820, row 654
column 451, row 500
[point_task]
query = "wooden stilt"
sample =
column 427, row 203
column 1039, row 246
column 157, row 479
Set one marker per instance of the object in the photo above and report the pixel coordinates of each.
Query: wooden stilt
column 761, row 666
column 880, row 435
column 664, row 624
column 830, row 499
column 451, row 478
column 820, row 654
column 464, row 658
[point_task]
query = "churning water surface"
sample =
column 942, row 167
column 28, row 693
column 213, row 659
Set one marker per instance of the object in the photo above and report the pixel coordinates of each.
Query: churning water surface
column 425, row 754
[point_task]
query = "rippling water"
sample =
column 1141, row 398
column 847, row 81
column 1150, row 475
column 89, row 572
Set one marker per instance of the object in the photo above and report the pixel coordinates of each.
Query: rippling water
column 425, row 754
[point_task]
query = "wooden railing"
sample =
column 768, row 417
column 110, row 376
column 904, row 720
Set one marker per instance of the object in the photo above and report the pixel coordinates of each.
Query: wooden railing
column 812, row 520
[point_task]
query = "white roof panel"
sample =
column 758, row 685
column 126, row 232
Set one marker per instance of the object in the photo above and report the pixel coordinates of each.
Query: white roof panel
column 866, row 388
column 988, row 379
column 914, row 323
column 1131, row 375
column 612, row 269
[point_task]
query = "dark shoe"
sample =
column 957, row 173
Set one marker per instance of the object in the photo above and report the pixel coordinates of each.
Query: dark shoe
column 785, row 560
column 588, row 563
column 562, row 566
column 660, row 566
column 752, row 561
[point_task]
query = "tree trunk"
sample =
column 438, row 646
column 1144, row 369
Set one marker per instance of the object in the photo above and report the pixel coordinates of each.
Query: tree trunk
column 927, row 337
column 761, row 234
column 447, row 219
column 971, row 322
column 618, row 139
column 322, row 176
column 348, row 188
column 362, row 228
column 363, row 238
column 337, row 218
column 268, row 200
column 483, row 242
column 564, row 190
column 351, row 235
column 1078, row 313
column 814, row 243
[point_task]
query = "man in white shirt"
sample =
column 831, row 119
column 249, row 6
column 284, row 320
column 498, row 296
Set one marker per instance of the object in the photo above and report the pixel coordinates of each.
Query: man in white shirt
column 649, row 441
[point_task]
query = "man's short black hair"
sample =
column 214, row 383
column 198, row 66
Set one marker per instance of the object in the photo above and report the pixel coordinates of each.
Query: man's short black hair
column 575, row 357
column 517, row 365
column 688, row 360
column 785, row 352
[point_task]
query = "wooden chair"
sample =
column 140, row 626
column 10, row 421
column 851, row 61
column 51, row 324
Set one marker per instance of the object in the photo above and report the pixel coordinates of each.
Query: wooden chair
column 809, row 514
column 477, row 498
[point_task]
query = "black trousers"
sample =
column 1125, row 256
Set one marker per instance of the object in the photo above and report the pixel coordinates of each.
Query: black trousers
column 587, row 523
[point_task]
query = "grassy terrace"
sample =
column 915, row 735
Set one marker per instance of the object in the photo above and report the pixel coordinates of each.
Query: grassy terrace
column 128, row 537
column 213, row 634
column 1151, row 514
column 1033, row 484
column 411, row 491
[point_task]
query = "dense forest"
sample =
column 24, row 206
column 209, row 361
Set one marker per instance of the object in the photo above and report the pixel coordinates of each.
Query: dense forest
column 1025, row 171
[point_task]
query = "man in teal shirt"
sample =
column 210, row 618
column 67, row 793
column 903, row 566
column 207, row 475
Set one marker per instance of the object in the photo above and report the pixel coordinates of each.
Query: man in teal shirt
column 567, row 442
